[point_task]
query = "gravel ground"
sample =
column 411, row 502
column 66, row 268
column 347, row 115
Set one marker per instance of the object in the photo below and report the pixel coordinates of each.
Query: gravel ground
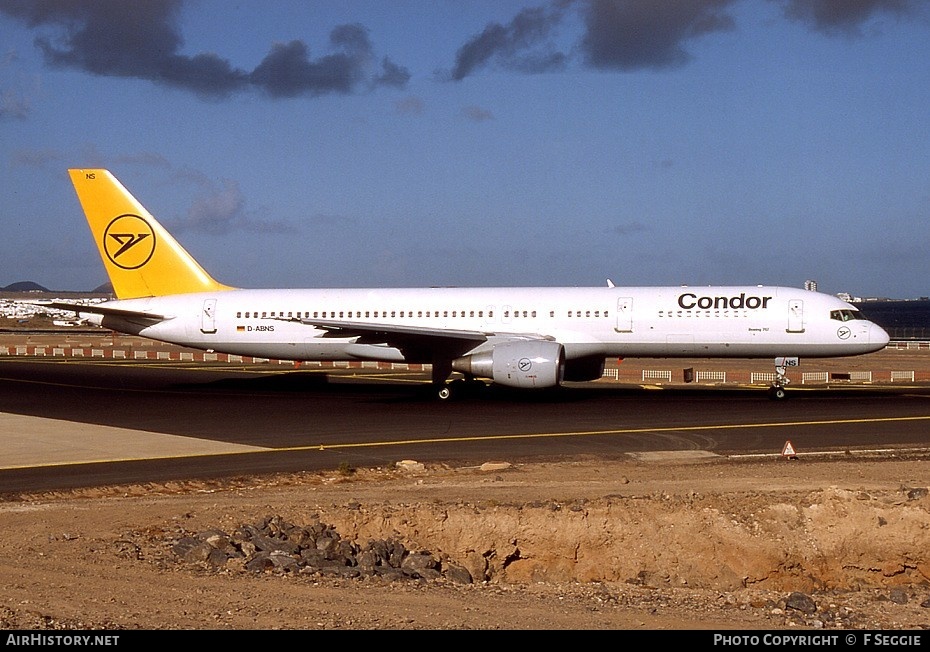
column 651, row 544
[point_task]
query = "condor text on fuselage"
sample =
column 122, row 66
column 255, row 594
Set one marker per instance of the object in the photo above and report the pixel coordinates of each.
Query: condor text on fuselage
column 689, row 300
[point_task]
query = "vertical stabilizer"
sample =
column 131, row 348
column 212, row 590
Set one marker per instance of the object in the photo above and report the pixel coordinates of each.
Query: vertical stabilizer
column 140, row 256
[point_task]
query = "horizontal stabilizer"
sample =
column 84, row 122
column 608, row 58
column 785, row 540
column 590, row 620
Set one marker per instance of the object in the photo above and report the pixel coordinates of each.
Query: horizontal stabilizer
column 104, row 310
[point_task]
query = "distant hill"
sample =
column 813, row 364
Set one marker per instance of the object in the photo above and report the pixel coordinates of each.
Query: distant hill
column 29, row 286
column 24, row 286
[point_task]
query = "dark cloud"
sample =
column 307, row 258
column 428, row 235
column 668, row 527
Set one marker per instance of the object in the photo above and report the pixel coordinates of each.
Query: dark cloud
column 140, row 39
column 392, row 75
column 512, row 46
column 844, row 16
column 648, row 34
column 618, row 34
column 289, row 71
column 628, row 35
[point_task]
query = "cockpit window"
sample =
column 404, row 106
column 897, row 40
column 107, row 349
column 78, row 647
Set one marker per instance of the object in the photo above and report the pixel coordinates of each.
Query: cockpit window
column 845, row 315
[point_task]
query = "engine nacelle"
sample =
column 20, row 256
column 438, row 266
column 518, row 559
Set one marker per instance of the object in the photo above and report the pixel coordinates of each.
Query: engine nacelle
column 527, row 364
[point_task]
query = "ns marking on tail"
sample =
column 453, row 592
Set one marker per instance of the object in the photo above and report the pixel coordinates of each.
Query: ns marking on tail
column 517, row 337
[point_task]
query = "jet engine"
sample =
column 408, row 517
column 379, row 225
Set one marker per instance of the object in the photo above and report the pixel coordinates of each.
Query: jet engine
column 525, row 364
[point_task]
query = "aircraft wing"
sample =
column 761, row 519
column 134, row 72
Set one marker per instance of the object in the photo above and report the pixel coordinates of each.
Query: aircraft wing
column 417, row 342
column 92, row 309
column 380, row 331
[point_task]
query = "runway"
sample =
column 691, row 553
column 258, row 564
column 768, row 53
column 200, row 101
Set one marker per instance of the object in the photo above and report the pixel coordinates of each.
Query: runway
column 72, row 423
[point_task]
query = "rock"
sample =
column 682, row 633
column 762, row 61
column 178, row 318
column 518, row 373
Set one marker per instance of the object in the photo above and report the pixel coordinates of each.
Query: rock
column 411, row 466
column 801, row 602
column 898, row 596
column 277, row 545
column 495, row 466
column 457, row 574
column 917, row 493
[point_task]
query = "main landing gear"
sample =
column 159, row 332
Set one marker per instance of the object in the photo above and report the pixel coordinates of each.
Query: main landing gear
column 446, row 390
column 459, row 388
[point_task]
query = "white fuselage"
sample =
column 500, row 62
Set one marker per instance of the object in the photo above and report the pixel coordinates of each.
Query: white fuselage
column 656, row 322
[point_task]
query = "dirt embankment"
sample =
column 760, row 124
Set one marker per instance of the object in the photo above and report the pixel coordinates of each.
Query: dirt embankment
column 590, row 544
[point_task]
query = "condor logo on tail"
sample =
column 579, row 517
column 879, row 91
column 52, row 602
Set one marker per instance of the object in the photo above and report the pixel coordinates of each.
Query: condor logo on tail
column 129, row 241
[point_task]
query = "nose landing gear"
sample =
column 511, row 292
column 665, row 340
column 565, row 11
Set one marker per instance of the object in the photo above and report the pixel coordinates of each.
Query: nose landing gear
column 777, row 390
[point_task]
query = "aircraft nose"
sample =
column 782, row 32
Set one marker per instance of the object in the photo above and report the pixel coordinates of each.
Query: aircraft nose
column 878, row 335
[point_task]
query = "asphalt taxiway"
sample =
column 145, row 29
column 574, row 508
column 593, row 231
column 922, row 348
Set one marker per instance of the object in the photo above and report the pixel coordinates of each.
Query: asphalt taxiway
column 73, row 423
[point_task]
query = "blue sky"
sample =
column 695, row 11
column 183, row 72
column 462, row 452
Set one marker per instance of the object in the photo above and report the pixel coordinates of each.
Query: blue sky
column 396, row 143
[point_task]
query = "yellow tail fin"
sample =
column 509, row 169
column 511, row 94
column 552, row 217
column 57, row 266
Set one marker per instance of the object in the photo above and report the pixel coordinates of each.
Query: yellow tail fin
column 140, row 256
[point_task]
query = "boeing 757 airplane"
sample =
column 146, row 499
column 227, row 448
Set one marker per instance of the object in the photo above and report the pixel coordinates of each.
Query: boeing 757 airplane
column 531, row 337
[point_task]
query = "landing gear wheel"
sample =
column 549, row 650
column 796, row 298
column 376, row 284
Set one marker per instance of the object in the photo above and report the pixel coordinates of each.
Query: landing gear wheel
column 444, row 393
column 777, row 390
